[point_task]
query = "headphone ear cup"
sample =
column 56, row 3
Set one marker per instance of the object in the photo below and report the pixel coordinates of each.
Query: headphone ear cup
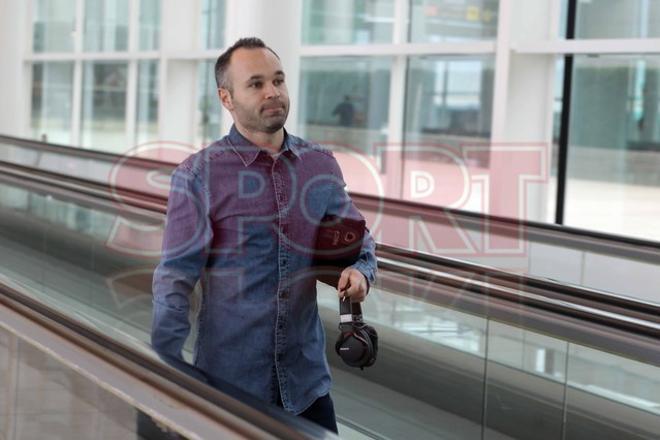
column 354, row 347
column 363, row 336
column 372, row 336
column 340, row 340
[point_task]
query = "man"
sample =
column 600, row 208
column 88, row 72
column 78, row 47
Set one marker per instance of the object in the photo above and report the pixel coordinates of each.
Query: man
column 242, row 217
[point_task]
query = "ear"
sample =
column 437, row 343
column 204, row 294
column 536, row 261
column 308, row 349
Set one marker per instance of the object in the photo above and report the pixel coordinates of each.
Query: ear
column 225, row 98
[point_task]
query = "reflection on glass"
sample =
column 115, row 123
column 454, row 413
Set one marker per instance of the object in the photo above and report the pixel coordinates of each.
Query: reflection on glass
column 432, row 21
column 627, row 390
column 618, row 19
column 149, row 24
column 104, row 106
column 106, row 25
column 53, row 25
column 147, row 102
column 213, row 24
column 525, row 383
column 208, row 105
column 527, row 351
column 347, row 21
column 614, row 145
column 345, row 100
column 52, row 97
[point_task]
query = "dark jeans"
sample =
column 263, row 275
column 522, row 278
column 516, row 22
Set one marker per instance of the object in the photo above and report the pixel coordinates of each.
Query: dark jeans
column 321, row 412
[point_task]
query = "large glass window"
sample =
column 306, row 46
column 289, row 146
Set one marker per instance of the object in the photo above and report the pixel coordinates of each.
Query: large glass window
column 448, row 107
column 52, row 94
column 614, row 145
column 432, row 21
column 53, row 25
column 146, row 127
column 618, row 19
column 213, row 24
column 345, row 100
column 347, row 21
column 106, row 25
column 104, row 106
column 449, row 99
column 208, row 105
column 149, row 24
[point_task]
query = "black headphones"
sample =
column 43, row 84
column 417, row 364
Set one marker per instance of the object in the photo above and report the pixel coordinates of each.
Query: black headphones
column 357, row 343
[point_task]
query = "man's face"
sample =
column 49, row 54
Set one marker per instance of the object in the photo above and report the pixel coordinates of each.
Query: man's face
column 259, row 100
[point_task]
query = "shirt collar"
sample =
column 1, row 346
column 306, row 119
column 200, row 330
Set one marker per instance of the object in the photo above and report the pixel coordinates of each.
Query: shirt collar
column 248, row 152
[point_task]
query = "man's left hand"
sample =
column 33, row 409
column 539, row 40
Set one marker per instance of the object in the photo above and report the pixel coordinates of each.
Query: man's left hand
column 352, row 284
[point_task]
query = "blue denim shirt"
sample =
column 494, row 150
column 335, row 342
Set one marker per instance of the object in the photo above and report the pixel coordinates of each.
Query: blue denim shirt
column 244, row 223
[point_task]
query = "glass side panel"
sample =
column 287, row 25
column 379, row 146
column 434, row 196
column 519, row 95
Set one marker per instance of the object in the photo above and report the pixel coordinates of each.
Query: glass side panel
column 104, row 106
column 344, row 102
column 347, row 21
column 42, row 397
column 52, row 100
column 149, row 24
column 146, row 126
column 627, row 393
column 106, row 25
column 53, row 23
column 91, row 263
column 432, row 21
column 618, row 19
column 525, row 380
column 212, row 24
column 614, row 145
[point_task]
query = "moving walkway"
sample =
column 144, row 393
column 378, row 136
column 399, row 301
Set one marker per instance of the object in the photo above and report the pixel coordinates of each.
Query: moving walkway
column 467, row 350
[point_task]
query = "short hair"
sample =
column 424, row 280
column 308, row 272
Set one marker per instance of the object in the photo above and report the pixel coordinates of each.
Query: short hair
column 223, row 60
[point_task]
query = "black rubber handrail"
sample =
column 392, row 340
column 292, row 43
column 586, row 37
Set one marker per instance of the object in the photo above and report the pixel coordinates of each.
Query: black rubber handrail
column 166, row 379
column 641, row 325
column 647, row 310
column 138, row 199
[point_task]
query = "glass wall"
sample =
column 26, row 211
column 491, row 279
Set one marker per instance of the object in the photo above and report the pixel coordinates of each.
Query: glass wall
column 212, row 24
column 106, row 25
column 53, row 25
column 104, row 106
column 618, row 19
column 614, row 145
column 345, row 100
column 449, row 100
column 209, row 112
column 52, row 98
column 149, row 24
column 347, row 21
column 432, row 21
column 146, row 127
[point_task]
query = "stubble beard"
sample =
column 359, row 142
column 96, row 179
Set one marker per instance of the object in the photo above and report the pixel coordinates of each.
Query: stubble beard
column 256, row 122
